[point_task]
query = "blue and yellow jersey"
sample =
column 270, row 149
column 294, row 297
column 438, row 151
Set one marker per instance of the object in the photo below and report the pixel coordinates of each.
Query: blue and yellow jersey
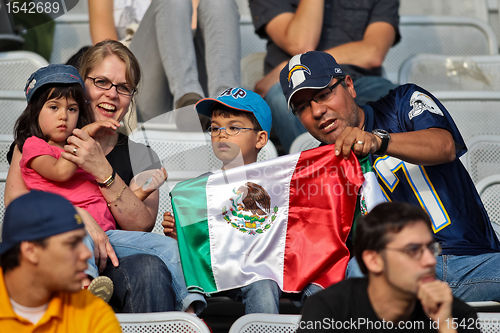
column 446, row 191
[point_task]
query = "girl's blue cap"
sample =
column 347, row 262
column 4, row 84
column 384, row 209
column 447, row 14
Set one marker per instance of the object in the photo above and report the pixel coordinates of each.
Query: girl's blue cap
column 52, row 74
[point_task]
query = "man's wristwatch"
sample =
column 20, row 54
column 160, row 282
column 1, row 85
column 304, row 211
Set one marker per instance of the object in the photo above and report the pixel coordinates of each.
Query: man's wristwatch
column 385, row 137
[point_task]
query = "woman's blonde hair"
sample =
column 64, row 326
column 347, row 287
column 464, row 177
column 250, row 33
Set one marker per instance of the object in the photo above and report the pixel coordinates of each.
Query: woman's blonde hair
column 96, row 54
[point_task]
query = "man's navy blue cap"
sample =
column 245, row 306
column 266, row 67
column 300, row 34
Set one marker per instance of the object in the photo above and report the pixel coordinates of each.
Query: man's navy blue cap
column 310, row 70
column 52, row 74
column 239, row 99
column 37, row 215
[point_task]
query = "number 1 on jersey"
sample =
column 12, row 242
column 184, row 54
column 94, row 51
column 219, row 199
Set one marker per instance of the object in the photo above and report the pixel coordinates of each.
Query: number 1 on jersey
column 417, row 178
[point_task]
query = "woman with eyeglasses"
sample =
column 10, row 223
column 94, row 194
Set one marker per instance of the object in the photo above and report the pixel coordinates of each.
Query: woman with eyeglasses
column 111, row 74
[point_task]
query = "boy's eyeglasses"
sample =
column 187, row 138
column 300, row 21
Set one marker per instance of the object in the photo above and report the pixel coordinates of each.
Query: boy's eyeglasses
column 319, row 98
column 415, row 251
column 230, row 130
column 105, row 84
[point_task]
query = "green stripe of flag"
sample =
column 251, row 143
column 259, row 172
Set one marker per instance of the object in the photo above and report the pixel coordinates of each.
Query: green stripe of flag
column 365, row 164
column 189, row 204
column 370, row 193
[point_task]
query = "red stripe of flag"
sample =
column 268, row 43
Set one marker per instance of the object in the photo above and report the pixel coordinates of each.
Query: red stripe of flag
column 315, row 249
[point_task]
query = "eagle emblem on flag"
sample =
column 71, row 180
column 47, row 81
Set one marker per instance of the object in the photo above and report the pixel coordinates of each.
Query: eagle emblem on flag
column 250, row 209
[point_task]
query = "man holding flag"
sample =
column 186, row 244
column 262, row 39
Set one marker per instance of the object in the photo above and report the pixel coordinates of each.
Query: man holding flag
column 414, row 147
column 267, row 227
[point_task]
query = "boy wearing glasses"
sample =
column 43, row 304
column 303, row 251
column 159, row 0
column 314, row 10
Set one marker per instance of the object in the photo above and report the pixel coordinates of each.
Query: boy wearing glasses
column 240, row 126
column 396, row 251
column 414, row 146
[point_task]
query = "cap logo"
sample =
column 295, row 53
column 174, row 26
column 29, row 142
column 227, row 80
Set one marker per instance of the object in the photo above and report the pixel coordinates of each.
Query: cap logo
column 31, row 85
column 297, row 69
column 234, row 92
column 338, row 70
column 78, row 219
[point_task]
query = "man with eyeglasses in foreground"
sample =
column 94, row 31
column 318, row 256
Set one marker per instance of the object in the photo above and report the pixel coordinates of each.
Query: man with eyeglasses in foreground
column 395, row 249
column 414, row 147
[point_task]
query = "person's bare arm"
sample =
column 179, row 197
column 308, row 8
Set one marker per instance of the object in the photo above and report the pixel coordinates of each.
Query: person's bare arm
column 369, row 52
column 263, row 86
column 129, row 211
column 101, row 20
column 295, row 33
column 194, row 17
column 14, row 185
column 56, row 169
column 99, row 127
column 298, row 32
column 425, row 147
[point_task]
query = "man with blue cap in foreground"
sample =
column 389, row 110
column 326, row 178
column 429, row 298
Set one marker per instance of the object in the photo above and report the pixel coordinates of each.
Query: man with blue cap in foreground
column 43, row 261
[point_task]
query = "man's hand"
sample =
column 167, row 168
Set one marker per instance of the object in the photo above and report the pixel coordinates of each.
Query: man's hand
column 362, row 143
column 437, row 300
column 169, row 225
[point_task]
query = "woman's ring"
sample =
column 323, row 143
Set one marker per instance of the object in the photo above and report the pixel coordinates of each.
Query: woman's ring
column 359, row 142
column 75, row 150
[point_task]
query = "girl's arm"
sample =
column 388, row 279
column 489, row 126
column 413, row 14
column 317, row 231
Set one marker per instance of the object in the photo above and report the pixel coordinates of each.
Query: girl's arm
column 49, row 167
column 100, row 127
column 130, row 212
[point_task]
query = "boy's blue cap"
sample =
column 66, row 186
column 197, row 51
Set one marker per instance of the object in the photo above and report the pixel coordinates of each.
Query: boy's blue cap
column 52, row 74
column 37, row 215
column 310, row 70
column 241, row 100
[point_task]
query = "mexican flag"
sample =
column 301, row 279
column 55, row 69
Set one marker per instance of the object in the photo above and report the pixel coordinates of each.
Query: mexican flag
column 371, row 193
column 285, row 219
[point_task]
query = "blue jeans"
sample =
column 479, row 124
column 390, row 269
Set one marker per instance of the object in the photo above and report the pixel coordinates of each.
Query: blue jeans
column 472, row 278
column 353, row 270
column 127, row 243
column 259, row 297
column 142, row 283
column 288, row 127
column 264, row 296
column 371, row 88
